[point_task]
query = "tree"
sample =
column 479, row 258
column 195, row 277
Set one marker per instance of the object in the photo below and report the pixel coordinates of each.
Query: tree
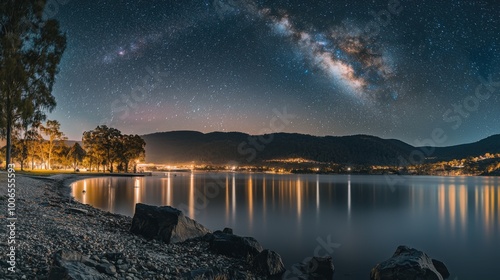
column 34, row 145
column 76, row 154
column 107, row 146
column 102, row 144
column 31, row 48
column 56, row 138
column 132, row 149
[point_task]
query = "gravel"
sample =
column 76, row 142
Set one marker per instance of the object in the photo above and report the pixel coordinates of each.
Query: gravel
column 49, row 219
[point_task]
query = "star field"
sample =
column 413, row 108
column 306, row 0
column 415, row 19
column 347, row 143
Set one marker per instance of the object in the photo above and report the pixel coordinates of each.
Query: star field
column 387, row 68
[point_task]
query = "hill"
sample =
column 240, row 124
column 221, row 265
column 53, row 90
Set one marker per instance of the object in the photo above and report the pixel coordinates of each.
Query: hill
column 223, row 147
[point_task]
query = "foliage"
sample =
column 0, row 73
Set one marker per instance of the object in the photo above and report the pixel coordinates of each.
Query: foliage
column 76, row 155
column 55, row 141
column 107, row 146
column 31, row 48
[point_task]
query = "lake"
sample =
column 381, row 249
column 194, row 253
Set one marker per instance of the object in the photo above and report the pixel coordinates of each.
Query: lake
column 358, row 220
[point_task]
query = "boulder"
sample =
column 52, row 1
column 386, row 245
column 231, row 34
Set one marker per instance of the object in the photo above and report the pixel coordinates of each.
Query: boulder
column 314, row 268
column 164, row 223
column 269, row 263
column 441, row 268
column 320, row 268
column 106, row 268
column 233, row 245
column 408, row 263
column 69, row 265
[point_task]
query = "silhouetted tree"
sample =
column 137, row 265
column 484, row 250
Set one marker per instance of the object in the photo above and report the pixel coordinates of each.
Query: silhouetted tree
column 76, row 154
column 109, row 146
column 132, row 150
column 56, row 138
column 31, row 48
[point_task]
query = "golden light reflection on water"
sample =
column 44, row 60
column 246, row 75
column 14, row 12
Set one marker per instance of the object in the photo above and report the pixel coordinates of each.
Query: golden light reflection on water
column 454, row 208
column 191, row 197
column 462, row 196
column 264, row 202
column 317, row 194
column 295, row 196
column 84, row 197
column 349, row 197
column 137, row 192
column 227, row 199
column 452, row 205
column 250, row 199
column 169, row 190
column 298, row 194
column 233, row 187
column 442, row 202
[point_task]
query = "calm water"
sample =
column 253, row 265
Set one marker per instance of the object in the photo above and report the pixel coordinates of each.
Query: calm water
column 359, row 220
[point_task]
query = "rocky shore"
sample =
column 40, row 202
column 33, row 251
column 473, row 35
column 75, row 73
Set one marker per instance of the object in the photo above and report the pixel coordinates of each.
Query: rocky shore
column 57, row 237
column 49, row 220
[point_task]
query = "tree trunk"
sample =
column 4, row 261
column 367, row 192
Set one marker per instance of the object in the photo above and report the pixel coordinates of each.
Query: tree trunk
column 50, row 153
column 8, row 154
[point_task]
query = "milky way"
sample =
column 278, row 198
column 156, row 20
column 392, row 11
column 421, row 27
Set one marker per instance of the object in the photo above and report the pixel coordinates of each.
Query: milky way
column 346, row 54
column 388, row 68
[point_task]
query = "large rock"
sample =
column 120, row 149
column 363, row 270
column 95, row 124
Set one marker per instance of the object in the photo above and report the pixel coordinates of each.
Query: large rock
column 315, row 268
column 441, row 268
column 164, row 223
column 408, row 263
column 269, row 263
column 320, row 268
column 233, row 245
column 68, row 265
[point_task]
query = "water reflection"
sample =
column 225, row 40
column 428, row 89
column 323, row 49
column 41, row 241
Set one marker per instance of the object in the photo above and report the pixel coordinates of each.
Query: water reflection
column 427, row 212
column 454, row 208
column 292, row 193
column 191, row 197
column 349, row 197
column 233, row 200
column 250, row 200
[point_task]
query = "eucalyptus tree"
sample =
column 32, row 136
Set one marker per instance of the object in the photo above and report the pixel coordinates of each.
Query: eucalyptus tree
column 31, row 48
column 76, row 154
column 55, row 138
column 132, row 149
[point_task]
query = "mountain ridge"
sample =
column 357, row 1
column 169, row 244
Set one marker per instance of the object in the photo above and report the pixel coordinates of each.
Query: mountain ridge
column 221, row 147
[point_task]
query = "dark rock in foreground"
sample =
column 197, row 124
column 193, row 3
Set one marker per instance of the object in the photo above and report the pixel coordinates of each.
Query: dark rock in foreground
column 233, row 245
column 441, row 268
column 315, row 268
column 269, row 263
column 164, row 223
column 320, row 268
column 69, row 265
column 409, row 263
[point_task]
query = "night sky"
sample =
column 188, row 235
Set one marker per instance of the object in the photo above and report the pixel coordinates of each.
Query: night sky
column 393, row 69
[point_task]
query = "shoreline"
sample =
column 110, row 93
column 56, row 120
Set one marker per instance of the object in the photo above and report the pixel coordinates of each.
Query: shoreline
column 49, row 219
